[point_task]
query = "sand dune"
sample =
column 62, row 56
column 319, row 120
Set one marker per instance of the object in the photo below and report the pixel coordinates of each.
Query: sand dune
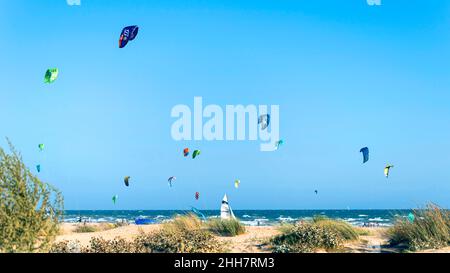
column 250, row 242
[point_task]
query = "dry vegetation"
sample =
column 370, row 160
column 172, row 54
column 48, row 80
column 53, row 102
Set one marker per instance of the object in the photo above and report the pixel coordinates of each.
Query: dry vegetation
column 229, row 228
column 84, row 228
column 430, row 229
column 29, row 208
column 321, row 233
column 185, row 234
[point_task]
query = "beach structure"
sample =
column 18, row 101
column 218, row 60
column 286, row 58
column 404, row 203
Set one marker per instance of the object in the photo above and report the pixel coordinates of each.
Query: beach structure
column 226, row 213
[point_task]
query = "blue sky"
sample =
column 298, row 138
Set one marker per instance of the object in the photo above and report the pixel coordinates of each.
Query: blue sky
column 345, row 75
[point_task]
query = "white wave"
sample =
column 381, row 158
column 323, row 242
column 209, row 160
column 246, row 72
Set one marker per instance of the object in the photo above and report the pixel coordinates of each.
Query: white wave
column 286, row 219
column 378, row 219
column 255, row 223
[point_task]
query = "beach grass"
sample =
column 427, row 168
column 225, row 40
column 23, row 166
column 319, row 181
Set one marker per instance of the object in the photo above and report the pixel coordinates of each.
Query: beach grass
column 344, row 230
column 93, row 228
column 362, row 231
column 85, row 229
column 305, row 237
column 230, row 228
column 185, row 234
column 285, row 227
column 430, row 229
column 184, row 223
column 310, row 236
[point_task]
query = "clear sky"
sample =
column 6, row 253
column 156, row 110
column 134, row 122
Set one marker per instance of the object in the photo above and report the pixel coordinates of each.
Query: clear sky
column 345, row 75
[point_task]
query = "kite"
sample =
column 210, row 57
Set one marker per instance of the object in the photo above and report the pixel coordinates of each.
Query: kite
column 411, row 217
column 316, row 191
column 387, row 170
column 199, row 213
column 197, row 195
column 279, row 143
column 128, row 34
column 365, row 152
column 264, row 120
column 237, row 182
column 172, row 178
column 186, row 152
column 38, row 168
column 41, row 147
column 51, row 75
column 114, row 199
column 126, row 180
column 195, row 154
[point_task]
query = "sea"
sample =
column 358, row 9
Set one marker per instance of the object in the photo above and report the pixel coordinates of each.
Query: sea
column 380, row 218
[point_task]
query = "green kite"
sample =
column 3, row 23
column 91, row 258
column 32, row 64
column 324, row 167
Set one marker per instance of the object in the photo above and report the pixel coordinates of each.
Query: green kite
column 195, row 154
column 51, row 75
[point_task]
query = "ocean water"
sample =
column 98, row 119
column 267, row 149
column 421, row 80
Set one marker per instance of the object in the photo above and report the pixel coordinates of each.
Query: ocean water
column 247, row 217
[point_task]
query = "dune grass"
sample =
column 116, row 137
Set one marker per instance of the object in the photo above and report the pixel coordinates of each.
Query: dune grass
column 285, row 227
column 362, row 231
column 185, row 234
column 184, row 222
column 304, row 238
column 430, row 229
column 309, row 236
column 85, row 229
column 344, row 230
column 88, row 228
column 228, row 228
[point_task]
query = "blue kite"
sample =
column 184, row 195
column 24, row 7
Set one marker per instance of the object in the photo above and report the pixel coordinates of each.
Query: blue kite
column 128, row 34
column 365, row 152
column 198, row 213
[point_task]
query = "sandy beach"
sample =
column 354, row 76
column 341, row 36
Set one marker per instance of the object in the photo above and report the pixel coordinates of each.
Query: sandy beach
column 247, row 243
column 250, row 242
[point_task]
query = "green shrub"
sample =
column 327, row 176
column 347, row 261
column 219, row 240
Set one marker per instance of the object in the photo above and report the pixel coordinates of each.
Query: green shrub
column 430, row 229
column 304, row 238
column 29, row 208
column 230, row 227
column 344, row 230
